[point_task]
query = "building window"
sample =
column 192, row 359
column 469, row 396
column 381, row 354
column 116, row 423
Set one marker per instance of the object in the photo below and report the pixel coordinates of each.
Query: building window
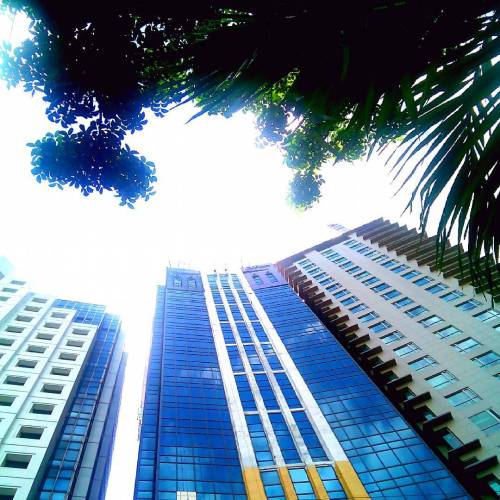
column 389, row 263
column 15, row 380
column 487, row 315
column 16, row 461
column 45, row 336
column 424, row 280
column 61, row 372
column 177, row 282
column 423, row 362
column 68, row 356
column 191, row 283
column 488, row 421
column 438, row 287
column 358, row 308
column 42, row 409
column 442, row 379
column 449, row 331
column 490, row 358
column 7, row 493
column 392, row 337
column 468, row 305
column 371, row 280
column 26, row 363
column 6, row 400
column 30, row 432
column 362, row 275
column 416, row 311
column 52, row 388
column 353, row 270
column 465, row 345
column 6, row 342
column 346, row 264
column 453, row 295
column 390, row 295
column 368, row 317
column 450, row 439
column 342, row 293
column 431, row 320
column 380, row 326
column 464, row 397
column 380, row 287
column 406, row 350
column 400, row 269
column 349, row 300
column 402, row 302
column 410, row 275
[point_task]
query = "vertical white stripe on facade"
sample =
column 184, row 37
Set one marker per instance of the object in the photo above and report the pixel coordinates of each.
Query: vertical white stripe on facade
column 259, row 402
column 287, row 414
column 243, row 441
column 325, row 434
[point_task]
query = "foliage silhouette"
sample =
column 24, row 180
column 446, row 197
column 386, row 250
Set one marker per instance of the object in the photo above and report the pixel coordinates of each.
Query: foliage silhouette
column 328, row 82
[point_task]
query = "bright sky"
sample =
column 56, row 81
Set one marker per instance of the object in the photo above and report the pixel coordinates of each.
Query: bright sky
column 220, row 202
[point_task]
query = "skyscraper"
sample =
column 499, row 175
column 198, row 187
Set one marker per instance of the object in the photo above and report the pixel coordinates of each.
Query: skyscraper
column 61, row 374
column 248, row 395
column 429, row 341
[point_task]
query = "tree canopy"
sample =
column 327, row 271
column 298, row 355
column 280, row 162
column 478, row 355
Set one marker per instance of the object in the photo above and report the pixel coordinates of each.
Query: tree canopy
column 327, row 81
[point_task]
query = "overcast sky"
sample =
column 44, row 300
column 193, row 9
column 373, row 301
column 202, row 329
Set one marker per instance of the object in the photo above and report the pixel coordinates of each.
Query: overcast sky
column 220, row 202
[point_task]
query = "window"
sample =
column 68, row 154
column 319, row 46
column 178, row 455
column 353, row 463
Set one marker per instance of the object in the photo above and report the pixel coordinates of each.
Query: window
column 453, row 295
column 468, row 305
column 494, row 484
column 337, row 295
column 402, row 302
column 16, row 461
column 392, row 337
column 371, row 280
column 6, row 342
column 450, row 439
column 14, row 329
column 7, row 493
column 74, row 343
column 368, row 317
column 358, row 308
column 9, row 290
column 431, row 320
column 45, row 336
column 438, row 287
column 410, row 275
column 380, row 326
column 449, row 331
column 464, row 397
column 15, row 380
column 353, row 270
column 177, row 282
column 346, row 264
column 490, row 358
column 416, row 311
column 42, row 409
column 390, row 295
column 379, row 258
column 362, row 275
column 68, row 356
column 62, row 372
column 390, row 263
column 52, row 388
column 6, row 400
column 39, row 300
column 18, row 283
column 400, row 269
column 349, row 300
column 406, row 350
column 80, row 331
column 52, row 325
column 191, row 283
column 487, row 315
column 424, row 280
column 423, row 362
column 29, row 432
column 58, row 315
column 24, row 319
column 442, row 379
column 380, row 287
column 488, row 421
column 26, row 363
column 465, row 345
column 32, row 309
column 38, row 349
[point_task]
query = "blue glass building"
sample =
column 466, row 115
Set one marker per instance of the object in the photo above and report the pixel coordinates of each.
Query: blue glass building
column 248, row 395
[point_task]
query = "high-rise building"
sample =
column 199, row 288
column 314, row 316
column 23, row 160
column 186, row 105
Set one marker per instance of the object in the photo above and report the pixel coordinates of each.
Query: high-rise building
column 248, row 395
column 429, row 341
column 61, row 375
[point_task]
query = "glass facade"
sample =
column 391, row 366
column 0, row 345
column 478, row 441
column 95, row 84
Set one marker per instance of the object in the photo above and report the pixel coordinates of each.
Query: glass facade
column 249, row 396
column 65, row 464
